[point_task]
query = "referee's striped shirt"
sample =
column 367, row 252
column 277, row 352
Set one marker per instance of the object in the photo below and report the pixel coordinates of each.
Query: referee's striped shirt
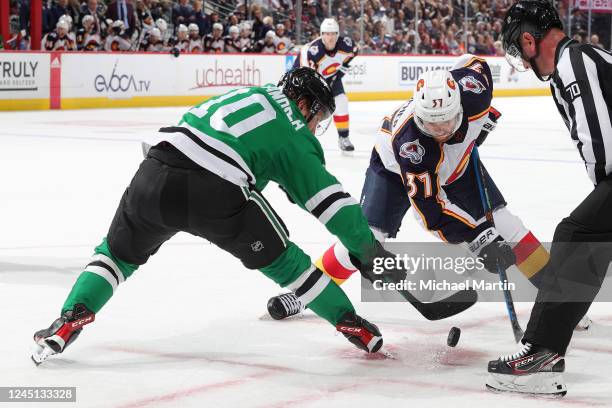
column 582, row 88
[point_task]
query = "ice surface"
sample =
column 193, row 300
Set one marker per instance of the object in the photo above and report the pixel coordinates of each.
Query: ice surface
column 185, row 329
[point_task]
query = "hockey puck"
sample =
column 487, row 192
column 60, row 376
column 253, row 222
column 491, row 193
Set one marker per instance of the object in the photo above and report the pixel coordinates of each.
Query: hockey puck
column 453, row 336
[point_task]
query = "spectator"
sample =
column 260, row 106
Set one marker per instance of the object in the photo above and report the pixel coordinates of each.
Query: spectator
column 122, row 10
column 595, row 41
column 398, row 45
column 200, row 18
column 424, row 46
column 182, row 13
column 96, row 11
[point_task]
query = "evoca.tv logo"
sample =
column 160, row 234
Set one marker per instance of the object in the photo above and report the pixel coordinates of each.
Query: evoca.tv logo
column 117, row 82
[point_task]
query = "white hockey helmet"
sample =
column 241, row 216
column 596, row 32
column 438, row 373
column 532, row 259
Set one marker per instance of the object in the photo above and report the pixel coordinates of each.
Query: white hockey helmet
column 155, row 32
column 234, row 30
column 87, row 20
column 67, row 19
column 63, row 24
column 117, row 24
column 437, row 103
column 329, row 25
column 193, row 27
column 217, row 26
column 270, row 34
column 182, row 28
column 161, row 24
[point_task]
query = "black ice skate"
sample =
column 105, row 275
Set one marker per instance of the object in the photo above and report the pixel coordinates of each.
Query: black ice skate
column 282, row 306
column 360, row 332
column 345, row 144
column 62, row 332
column 533, row 370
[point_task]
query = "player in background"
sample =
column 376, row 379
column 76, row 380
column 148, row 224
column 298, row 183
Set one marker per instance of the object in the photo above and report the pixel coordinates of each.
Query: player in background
column 181, row 41
column 267, row 45
column 68, row 19
column 195, row 41
column 204, row 176
column 330, row 55
column 579, row 75
column 282, row 41
column 246, row 37
column 214, row 42
column 161, row 24
column 59, row 40
column 232, row 40
column 118, row 39
column 153, row 41
column 421, row 159
column 87, row 38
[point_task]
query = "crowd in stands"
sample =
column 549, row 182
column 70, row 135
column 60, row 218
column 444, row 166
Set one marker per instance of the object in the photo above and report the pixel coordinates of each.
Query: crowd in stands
column 269, row 26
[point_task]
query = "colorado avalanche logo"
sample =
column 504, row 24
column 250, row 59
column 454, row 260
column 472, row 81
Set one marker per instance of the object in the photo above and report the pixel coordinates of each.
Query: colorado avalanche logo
column 471, row 84
column 412, row 151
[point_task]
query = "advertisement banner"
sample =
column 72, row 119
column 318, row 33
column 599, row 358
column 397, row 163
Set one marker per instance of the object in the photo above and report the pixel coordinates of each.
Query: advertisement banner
column 116, row 76
column 597, row 6
column 24, row 76
column 213, row 75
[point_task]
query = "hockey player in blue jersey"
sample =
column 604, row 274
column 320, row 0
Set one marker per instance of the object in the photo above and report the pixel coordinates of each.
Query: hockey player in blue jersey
column 421, row 159
column 330, row 55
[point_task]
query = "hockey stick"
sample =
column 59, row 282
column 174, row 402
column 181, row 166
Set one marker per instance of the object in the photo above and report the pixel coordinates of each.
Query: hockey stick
column 441, row 309
column 486, row 205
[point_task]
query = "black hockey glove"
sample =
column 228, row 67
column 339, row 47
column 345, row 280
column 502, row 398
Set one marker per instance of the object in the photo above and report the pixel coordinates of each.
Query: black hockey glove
column 493, row 250
column 375, row 268
column 488, row 126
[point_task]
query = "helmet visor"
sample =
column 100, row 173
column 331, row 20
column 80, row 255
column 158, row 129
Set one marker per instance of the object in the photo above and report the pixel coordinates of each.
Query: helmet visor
column 515, row 58
column 442, row 128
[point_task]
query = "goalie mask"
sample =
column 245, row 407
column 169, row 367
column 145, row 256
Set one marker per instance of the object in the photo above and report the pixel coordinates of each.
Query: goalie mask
column 437, row 104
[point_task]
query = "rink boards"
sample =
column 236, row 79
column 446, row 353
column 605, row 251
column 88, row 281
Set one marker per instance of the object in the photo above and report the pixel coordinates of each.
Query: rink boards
column 74, row 80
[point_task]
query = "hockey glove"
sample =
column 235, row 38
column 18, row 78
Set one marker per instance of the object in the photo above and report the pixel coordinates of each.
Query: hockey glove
column 375, row 269
column 488, row 126
column 493, row 251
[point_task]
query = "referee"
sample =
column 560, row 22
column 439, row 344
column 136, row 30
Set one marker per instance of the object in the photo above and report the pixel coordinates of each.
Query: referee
column 580, row 78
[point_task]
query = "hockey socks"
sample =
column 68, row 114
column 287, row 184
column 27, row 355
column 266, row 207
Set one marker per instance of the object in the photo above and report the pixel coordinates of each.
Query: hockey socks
column 312, row 287
column 99, row 280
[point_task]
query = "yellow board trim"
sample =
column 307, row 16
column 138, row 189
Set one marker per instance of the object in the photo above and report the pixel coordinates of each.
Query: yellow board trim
column 24, row 104
column 184, row 100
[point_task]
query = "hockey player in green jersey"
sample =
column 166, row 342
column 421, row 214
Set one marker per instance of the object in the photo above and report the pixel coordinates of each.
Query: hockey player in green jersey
column 204, row 177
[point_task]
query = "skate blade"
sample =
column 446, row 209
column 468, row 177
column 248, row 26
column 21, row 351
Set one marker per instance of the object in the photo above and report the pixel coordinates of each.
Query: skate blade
column 551, row 396
column 40, row 354
column 550, row 385
column 387, row 353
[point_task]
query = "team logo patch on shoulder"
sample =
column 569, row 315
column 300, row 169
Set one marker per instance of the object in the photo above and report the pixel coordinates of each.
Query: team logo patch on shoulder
column 471, row 84
column 412, row 151
column 348, row 41
column 314, row 50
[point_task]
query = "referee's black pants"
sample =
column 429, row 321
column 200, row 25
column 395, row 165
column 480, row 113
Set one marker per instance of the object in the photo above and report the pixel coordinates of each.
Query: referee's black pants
column 580, row 254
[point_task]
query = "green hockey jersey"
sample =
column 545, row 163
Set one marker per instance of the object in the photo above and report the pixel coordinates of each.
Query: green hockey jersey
column 250, row 136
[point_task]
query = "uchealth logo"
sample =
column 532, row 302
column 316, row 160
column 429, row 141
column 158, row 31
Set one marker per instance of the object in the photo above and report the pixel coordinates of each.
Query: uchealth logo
column 409, row 72
column 247, row 74
column 118, row 82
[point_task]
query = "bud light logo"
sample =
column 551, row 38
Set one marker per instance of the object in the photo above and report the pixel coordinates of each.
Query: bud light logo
column 118, row 82
column 409, row 72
